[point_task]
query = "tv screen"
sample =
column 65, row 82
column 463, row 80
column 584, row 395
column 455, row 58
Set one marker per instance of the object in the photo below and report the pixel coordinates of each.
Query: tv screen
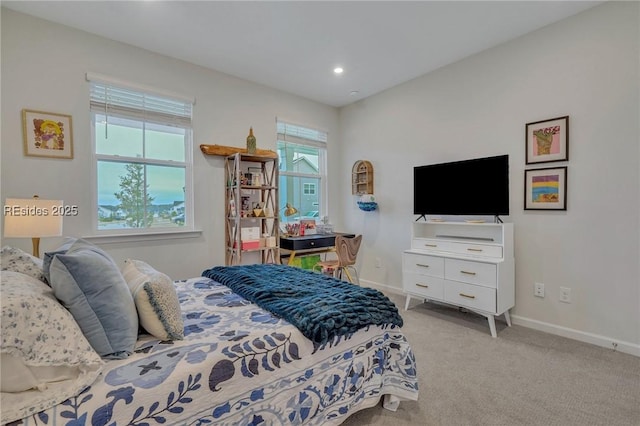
column 471, row 187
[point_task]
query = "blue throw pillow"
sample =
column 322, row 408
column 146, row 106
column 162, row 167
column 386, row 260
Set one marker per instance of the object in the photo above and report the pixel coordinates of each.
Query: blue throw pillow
column 48, row 257
column 88, row 282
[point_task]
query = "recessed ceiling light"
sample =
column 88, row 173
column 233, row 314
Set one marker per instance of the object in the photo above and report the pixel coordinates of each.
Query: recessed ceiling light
column 338, row 70
column 354, row 92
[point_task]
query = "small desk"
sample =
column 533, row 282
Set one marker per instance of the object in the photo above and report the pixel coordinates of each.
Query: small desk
column 310, row 244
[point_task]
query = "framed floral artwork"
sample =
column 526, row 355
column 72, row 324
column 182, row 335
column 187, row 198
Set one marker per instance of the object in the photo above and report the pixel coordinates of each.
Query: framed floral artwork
column 547, row 140
column 47, row 134
column 545, row 189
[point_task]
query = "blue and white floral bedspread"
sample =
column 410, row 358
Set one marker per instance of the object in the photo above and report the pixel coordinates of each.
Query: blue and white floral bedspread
column 238, row 365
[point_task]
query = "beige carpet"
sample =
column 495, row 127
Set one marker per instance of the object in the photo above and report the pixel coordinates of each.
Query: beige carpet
column 523, row 377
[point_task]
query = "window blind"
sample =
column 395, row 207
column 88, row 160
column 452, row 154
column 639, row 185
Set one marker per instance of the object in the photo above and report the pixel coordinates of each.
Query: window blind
column 116, row 100
column 293, row 133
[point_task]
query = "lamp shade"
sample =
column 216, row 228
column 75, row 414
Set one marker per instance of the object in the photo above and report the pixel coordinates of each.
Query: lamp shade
column 32, row 218
column 290, row 210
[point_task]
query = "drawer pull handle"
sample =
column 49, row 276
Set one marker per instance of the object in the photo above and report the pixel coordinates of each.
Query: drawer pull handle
column 431, row 245
column 423, row 265
column 422, row 285
column 474, row 249
column 467, row 296
column 467, row 272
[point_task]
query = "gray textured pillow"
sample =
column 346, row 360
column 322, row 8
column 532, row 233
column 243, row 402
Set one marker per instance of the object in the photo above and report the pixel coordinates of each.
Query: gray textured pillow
column 88, row 282
column 156, row 300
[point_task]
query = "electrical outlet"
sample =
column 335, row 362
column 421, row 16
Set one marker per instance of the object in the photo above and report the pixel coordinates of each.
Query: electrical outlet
column 538, row 289
column 378, row 262
column 565, row 294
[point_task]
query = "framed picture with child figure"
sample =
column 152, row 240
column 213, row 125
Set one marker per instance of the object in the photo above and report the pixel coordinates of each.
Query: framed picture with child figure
column 47, row 134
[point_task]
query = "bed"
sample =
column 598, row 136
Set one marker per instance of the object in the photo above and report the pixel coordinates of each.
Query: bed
column 234, row 362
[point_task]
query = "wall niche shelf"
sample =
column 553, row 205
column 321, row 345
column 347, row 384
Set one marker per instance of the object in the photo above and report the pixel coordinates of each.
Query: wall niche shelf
column 362, row 178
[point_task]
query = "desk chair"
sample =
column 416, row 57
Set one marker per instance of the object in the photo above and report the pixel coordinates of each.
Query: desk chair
column 347, row 251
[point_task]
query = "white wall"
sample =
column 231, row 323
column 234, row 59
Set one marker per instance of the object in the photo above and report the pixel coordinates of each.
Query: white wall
column 43, row 68
column 585, row 67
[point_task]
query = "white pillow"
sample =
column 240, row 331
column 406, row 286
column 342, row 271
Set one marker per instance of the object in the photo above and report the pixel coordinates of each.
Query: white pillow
column 45, row 357
column 16, row 260
column 156, row 300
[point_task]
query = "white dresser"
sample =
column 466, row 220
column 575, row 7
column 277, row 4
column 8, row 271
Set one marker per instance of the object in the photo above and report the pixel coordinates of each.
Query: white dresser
column 469, row 265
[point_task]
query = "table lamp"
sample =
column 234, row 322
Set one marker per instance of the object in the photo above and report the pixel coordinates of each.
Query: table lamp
column 289, row 229
column 289, row 210
column 32, row 217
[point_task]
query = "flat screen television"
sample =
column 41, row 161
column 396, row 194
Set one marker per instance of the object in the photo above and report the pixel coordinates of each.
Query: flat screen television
column 471, row 187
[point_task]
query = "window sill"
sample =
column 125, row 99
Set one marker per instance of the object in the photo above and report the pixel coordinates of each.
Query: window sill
column 149, row 236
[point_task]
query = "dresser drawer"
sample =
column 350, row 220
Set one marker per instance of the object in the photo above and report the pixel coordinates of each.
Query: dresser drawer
column 455, row 247
column 423, row 285
column 471, row 296
column 484, row 274
column 423, row 264
column 470, row 249
column 307, row 242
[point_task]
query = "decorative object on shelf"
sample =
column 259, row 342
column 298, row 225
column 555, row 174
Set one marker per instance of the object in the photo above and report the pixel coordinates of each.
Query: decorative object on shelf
column 367, row 202
column 545, row 189
column 367, row 206
column 547, row 140
column 256, row 177
column 362, row 178
column 47, row 134
column 251, row 142
column 33, row 218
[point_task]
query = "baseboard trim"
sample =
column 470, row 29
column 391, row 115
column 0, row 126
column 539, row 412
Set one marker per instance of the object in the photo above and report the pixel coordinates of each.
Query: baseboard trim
column 382, row 287
column 570, row 333
column 582, row 336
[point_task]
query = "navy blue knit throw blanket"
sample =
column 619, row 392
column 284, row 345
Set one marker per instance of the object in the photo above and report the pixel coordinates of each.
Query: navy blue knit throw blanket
column 321, row 307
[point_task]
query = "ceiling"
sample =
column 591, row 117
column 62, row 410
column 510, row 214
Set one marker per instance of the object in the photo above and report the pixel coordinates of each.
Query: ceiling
column 294, row 46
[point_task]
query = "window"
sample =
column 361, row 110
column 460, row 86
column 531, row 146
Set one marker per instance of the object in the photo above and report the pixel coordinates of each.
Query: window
column 143, row 158
column 303, row 170
column 309, row 189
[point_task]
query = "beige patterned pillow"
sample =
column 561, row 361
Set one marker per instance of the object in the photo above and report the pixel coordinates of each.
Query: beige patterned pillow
column 156, row 300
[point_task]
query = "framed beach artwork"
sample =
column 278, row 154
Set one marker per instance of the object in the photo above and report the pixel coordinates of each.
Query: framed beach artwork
column 545, row 189
column 47, row 134
column 547, row 140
